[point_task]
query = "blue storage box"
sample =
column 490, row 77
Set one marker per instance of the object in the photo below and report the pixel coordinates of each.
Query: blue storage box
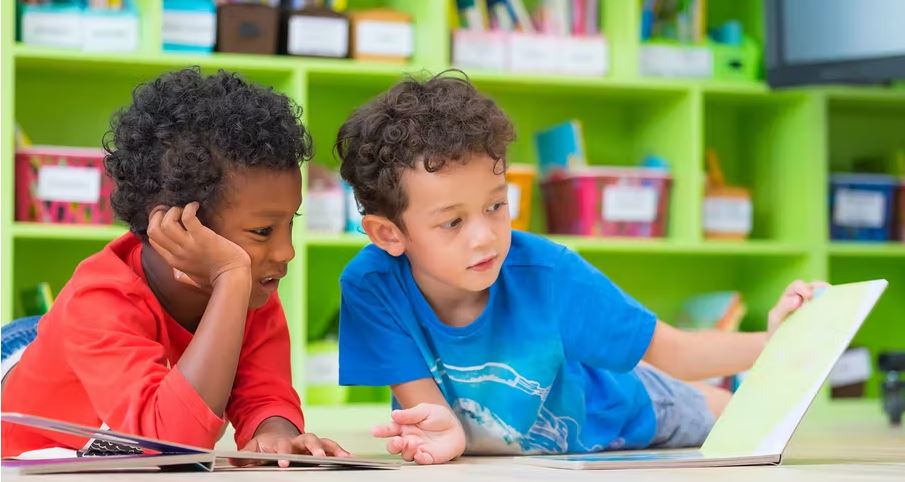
column 861, row 206
column 189, row 26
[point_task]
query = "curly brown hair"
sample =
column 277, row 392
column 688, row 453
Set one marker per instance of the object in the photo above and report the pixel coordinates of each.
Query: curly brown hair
column 440, row 120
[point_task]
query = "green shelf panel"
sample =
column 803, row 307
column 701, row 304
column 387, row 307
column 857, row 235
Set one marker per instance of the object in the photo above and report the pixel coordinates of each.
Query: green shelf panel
column 769, row 144
column 851, row 250
column 23, row 230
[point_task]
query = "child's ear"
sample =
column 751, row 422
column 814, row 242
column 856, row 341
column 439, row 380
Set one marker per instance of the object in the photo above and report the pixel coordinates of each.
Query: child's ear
column 384, row 233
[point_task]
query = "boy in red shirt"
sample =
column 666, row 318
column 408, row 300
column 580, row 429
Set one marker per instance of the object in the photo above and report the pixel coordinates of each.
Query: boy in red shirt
column 176, row 327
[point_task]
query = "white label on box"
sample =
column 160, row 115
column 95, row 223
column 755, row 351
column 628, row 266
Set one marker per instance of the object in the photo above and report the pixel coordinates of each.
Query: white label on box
column 110, row 33
column 533, row 53
column 52, row 29
column 325, row 211
column 667, row 61
column 514, row 198
column 634, row 204
column 479, row 50
column 583, row 56
column 374, row 37
column 727, row 215
column 859, row 208
column 196, row 29
column 854, row 366
column 69, row 184
column 322, row 369
column 324, row 36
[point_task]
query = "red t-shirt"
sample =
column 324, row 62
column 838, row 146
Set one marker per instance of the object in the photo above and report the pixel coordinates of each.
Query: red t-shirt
column 106, row 354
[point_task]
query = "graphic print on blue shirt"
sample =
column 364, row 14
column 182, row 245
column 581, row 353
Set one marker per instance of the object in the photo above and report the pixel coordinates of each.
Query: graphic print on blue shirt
column 545, row 368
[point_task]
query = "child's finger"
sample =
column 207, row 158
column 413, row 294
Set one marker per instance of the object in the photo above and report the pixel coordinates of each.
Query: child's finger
column 411, row 416
column 412, row 445
column 391, row 429
column 155, row 229
column 423, row 458
column 334, row 448
column 190, row 217
column 251, row 446
column 314, row 446
column 395, row 445
column 284, row 446
column 796, row 287
column 171, row 226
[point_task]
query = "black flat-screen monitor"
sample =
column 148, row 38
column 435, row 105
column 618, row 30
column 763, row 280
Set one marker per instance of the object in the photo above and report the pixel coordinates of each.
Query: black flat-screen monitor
column 834, row 41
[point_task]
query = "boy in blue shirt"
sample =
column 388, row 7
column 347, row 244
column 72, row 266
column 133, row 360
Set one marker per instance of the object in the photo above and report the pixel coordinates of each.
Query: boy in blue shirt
column 496, row 341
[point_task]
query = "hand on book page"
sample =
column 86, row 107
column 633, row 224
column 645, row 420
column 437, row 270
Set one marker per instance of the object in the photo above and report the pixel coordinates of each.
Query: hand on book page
column 304, row 444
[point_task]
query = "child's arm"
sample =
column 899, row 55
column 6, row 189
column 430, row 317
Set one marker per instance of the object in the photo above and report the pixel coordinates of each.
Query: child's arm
column 263, row 406
column 209, row 362
column 426, row 431
column 700, row 355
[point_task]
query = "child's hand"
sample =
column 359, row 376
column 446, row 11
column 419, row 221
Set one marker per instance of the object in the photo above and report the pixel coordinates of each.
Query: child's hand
column 426, row 433
column 304, row 444
column 198, row 255
column 795, row 295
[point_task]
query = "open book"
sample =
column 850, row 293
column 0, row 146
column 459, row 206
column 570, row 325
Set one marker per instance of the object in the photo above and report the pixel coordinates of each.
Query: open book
column 759, row 421
column 114, row 451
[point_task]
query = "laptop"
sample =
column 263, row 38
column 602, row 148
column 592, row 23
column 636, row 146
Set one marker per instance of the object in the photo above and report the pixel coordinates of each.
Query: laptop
column 761, row 417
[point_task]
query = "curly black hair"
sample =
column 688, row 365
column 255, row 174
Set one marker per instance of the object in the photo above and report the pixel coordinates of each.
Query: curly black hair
column 185, row 131
column 443, row 119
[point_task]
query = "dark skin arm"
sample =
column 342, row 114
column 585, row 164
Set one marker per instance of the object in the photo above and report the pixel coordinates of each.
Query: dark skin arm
column 207, row 259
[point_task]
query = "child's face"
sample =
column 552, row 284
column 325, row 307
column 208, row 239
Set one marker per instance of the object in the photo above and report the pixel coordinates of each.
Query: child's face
column 256, row 213
column 457, row 224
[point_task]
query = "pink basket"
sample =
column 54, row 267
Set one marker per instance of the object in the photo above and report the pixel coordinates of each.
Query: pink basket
column 611, row 201
column 62, row 185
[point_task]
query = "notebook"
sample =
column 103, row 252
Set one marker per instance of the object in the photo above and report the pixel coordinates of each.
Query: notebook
column 759, row 421
column 131, row 452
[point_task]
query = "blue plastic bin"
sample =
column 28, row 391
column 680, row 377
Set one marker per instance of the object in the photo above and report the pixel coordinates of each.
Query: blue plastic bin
column 861, row 206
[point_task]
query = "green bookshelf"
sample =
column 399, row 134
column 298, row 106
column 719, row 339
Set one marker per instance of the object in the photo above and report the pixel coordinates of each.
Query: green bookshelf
column 781, row 145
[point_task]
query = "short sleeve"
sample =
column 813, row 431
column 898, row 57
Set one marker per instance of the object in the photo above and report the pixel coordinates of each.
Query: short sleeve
column 375, row 349
column 601, row 325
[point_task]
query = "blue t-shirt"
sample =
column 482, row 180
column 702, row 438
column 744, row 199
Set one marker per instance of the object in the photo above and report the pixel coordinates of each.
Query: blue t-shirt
column 546, row 368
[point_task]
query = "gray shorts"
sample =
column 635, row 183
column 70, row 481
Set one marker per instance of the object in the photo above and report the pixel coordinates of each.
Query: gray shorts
column 683, row 419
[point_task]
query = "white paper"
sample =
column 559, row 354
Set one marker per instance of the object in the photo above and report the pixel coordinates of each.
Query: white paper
column 636, row 204
column 514, row 198
column 69, row 184
column 110, row 33
column 324, row 36
column 48, row 453
column 197, row 29
column 375, row 37
column 859, row 208
column 52, row 29
column 727, row 215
